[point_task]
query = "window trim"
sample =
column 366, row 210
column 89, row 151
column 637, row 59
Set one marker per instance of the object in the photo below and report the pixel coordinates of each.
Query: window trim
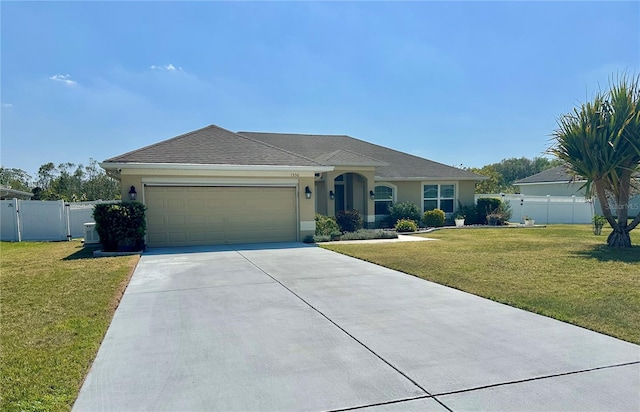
column 394, row 194
column 438, row 199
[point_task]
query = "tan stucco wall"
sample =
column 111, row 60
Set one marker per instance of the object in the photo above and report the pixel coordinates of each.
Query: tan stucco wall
column 306, row 207
column 466, row 193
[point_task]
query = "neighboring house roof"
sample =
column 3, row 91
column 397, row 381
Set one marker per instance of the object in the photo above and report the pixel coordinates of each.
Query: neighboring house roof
column 394, row 165
column 558, row 174
column 213, row 145
column 8, row 193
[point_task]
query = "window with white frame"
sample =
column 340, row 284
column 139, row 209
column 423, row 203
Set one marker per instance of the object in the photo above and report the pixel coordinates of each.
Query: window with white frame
column 383, row 199
column 437, row 196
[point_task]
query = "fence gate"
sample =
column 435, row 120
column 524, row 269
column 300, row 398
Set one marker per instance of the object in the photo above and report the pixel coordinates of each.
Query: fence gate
column 34, row 220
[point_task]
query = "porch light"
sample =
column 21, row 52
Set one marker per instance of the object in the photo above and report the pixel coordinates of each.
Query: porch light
column 307, row 192
column 332, row 195
column 372, row 195
column 132, row 193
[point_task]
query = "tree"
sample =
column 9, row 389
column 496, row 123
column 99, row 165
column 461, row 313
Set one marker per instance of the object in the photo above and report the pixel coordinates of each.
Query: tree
column 600, row 142
column 502, row 175
column 16, row 179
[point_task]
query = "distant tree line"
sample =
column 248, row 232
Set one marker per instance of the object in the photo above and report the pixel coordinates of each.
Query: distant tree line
column 503, row 174
column 68, row 181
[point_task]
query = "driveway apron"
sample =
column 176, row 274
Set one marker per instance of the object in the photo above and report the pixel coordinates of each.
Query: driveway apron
column 295, row 327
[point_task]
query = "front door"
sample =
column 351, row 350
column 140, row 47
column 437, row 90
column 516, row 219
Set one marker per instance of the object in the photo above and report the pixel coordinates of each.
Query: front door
column 340, row 198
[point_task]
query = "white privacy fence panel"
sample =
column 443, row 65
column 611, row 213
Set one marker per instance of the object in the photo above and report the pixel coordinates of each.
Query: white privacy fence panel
column 548, row 209
column 42, row 220
column 9, row 220
column 24, row 220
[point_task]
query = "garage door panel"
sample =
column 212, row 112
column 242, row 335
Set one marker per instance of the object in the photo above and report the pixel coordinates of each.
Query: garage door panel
column 213, row 215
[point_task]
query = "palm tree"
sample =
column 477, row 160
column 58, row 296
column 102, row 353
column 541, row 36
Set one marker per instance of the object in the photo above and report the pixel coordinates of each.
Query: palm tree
column 600, row 142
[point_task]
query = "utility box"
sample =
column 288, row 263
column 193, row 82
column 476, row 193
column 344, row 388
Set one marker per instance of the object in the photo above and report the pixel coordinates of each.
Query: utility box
column 90, row 234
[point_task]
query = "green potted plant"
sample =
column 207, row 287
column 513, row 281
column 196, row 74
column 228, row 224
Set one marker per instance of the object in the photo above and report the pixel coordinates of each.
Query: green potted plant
column 528, row 221
column 598, row 223
column 459, row 220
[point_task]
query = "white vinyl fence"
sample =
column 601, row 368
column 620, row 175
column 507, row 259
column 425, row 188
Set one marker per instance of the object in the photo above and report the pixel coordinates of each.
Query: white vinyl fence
column 548, row 209
column 35, row 220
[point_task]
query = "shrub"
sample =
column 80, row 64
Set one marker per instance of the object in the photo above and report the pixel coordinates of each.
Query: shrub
column 322, row 238
column 366, row 234
column 500, row 215
column 121, row 226
column 484, row 207
column 326, row 226
column 349, row 220
column 433, row 218
column 469, row 213
column 404, row 210
column 406, row 225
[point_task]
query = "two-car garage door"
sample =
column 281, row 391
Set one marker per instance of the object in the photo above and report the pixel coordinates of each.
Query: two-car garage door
column 188, row 215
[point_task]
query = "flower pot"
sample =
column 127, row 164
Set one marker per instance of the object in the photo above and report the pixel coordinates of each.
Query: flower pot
column 459, row 222
column 529, row 222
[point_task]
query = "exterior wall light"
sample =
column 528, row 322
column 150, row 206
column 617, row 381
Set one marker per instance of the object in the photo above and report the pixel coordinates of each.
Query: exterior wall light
column 372, row 195
column 132, row 193
column 332, row 195
column 307, row 192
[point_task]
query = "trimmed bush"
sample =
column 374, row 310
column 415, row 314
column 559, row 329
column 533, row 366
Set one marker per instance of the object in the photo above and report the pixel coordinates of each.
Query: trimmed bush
column 469, row 213
column 349, row 220
column 486, row 206
column 366, row 234
column 121, row 226
column 326, row 226
column 404, row 210
column 406, row 225
column 433, row 218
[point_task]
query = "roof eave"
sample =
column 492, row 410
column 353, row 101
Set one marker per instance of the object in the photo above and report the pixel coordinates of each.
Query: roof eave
column 429, row 178
column 213, row 167
column 549, row 183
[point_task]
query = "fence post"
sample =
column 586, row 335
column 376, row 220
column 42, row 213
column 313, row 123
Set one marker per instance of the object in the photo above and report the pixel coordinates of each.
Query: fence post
column 16, row 206
column 548, row 204
column 67, row 212
column 573, row 209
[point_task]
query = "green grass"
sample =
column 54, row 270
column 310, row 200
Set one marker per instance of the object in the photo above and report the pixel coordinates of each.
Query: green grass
column 562, row 271
column 56, row 303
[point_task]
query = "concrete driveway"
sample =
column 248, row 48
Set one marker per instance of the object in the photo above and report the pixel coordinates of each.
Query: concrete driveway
column 291, row 327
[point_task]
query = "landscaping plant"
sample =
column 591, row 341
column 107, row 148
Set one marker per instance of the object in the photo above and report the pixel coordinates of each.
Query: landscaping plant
column 600, row 142
column 406, row 225
column 433, row 218
column 404, row 210
column 121, row 226
column 349, row 220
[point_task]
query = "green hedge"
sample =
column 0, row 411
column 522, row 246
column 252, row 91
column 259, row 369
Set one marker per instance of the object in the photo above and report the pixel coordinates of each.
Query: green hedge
column 121, row 226
column 349, row 220
column 433, row 218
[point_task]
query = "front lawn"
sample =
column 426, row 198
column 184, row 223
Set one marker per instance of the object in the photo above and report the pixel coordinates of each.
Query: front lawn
column 56, row 303
column 562, row 271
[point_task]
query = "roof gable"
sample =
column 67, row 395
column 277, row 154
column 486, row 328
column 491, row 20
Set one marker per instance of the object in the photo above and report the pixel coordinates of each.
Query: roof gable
column 398, row 165
column 213, row 145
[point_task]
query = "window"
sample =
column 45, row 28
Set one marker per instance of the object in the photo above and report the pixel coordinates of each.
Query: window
column 439, row 197
column 383, row 199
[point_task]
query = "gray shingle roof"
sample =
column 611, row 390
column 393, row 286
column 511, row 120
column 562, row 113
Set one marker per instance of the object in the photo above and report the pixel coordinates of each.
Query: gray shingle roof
column 399, row 165
column 558, row 174
column 213, row 145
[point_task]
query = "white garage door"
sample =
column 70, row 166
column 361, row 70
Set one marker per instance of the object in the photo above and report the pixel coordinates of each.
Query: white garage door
column 184, row 216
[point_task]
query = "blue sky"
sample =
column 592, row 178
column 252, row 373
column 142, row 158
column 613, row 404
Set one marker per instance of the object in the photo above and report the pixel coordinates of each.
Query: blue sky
column 462, row 83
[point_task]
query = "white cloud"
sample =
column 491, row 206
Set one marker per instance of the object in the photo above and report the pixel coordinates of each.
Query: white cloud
column 168, row 68
column 7, row 105
column 63, row 78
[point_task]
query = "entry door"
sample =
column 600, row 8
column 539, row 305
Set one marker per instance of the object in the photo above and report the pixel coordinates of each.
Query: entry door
column 340, row 200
